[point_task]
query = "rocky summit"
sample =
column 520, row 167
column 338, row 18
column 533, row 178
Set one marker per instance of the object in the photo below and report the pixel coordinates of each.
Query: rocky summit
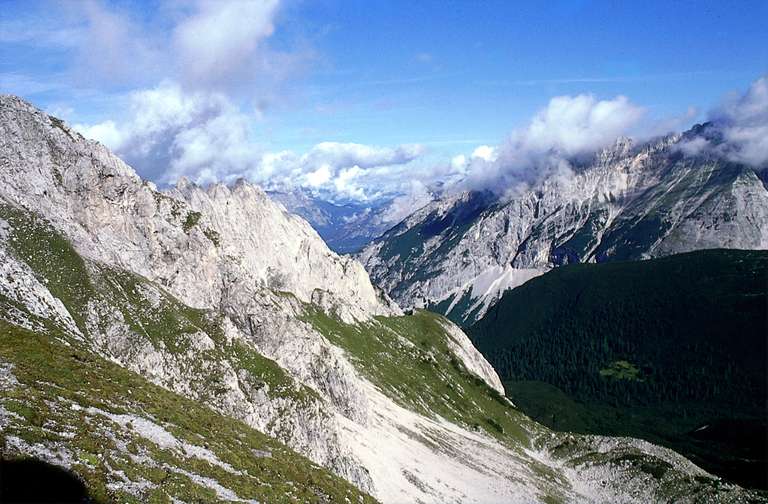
column 458, row 255
column 204, row 345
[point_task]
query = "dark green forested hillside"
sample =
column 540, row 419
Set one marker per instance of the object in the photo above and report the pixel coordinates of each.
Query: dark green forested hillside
column 672, row 350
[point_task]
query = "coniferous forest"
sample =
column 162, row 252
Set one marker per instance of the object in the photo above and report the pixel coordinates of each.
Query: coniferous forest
column 672, row 350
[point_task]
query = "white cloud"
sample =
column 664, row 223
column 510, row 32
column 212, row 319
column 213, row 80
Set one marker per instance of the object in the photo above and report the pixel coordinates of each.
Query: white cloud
column 345, row 155
column 319, row 177
column 171, row 133
column 744, row 123
column 342, row 171
column 737, row 130
column 105, row 132
column 577, row 124
column 570, row 126
column 203, row 136
column 459, row 162
column 485, row 152
column 223, row 41
column 346, row 183
column 213, row 45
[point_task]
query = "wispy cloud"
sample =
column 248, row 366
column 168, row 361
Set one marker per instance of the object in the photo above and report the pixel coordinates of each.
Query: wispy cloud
column 739, row 128
column 22, row 84
column 569, row 126
column 596, row 80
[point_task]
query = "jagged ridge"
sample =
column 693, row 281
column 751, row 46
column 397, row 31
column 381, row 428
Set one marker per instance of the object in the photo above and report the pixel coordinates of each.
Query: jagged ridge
column 628, row 203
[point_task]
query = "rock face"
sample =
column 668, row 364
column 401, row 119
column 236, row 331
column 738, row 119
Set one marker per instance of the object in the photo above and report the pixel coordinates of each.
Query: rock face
column 198, row 243
column 221, row 296
column 459, row 254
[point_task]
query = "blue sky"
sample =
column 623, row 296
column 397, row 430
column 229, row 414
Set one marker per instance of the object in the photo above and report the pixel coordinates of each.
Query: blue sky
column 473, row 70
column 445, row 76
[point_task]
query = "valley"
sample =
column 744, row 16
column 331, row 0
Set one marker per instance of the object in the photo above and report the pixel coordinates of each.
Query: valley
column 669, row 350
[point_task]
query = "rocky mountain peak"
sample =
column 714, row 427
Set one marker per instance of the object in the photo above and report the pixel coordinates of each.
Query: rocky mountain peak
column 625, row 202
column 186, row 237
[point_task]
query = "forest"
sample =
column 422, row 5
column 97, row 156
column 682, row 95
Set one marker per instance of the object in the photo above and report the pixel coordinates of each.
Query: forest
column 662, row 349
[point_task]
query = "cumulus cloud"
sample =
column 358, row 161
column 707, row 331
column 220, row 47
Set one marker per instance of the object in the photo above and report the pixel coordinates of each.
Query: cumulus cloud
column 224, row 44
column 346, row 155
column 577, row 124
column 171, row 133
column 214, row 42
column 200, row 72
column 105, row 132
column 203, row 136
column 340, row 170
column 569, row 127
column 737, row 130
column 744, row 123
column 459, row 162
column 215, row 45
column 485, row 153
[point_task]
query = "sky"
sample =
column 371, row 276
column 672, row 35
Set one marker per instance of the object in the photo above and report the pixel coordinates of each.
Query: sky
column 359, row 100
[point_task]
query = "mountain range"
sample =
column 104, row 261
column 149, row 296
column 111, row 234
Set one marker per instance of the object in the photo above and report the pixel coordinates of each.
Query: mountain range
column 345, row 227
column 458, row 254
column 202, row 344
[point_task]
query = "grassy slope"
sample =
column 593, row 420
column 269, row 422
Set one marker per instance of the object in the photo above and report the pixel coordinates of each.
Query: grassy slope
column 652, row 349
column 153, row 316
column 59, row 381
column 409, row 359
column 55, row 369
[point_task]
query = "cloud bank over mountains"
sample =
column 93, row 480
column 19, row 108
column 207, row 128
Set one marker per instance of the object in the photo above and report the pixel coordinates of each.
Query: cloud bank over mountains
column 568, row 127
column 196, row 119
column 171, row 133
column 203, row 74
column 202, row 135
column 744, row 123
column 574, row 126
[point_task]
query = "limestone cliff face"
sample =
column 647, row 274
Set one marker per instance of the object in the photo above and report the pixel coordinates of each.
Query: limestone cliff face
column 221, row 296
column 628, row 203
column 196, row 242
column 219, row 249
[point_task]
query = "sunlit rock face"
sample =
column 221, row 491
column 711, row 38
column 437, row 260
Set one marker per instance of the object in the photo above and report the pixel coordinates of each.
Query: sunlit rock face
column 626, row 203
column 196, row 242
